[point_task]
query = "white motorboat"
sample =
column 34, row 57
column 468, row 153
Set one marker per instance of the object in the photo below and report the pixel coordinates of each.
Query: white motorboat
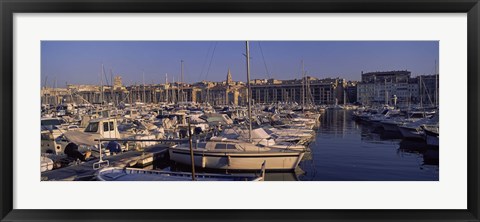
column 236, row 155
column 414, row 130
column 392, row 124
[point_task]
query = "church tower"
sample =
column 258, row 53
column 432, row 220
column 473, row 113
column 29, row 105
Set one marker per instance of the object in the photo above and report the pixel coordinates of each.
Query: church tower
column 229, row 77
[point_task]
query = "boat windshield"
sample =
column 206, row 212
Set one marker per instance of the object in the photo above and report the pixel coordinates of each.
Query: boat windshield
column 52, row 122
column 92, row 128
column 224, row 146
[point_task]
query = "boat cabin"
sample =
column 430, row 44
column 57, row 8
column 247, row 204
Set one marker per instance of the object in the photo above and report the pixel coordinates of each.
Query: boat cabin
column 106, row 127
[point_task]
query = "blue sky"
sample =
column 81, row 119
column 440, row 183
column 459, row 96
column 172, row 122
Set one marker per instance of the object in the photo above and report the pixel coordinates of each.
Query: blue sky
column 80, row 62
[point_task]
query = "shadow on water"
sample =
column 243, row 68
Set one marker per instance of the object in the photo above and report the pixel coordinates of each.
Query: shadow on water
column 429, row 154
column 269, row 175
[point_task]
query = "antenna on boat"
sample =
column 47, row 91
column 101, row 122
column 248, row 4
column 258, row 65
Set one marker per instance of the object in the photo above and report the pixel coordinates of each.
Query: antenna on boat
column 249, row 99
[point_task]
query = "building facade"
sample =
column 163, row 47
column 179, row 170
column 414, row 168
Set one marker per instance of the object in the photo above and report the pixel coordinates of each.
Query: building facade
column 311, row 91
column 390, row 87
column 398, row 86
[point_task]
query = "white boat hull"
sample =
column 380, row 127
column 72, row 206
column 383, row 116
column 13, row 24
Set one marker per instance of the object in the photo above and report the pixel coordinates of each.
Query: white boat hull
column 238, row 160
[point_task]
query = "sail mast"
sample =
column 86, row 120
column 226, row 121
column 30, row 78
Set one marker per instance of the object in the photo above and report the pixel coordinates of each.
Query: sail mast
column 101, row 83
column 166, row 88
column 111, row 87
column 249, row 94
column 303, row 86
column 181, row 80
column 143, row 80
column 436, row 84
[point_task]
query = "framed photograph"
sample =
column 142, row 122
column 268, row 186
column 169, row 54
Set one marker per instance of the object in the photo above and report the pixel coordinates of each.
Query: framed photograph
column 266, row 110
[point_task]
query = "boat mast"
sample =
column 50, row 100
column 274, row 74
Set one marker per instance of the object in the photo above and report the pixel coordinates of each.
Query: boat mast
column 303, row 87
column 385, row 89
column 55, row 93
column 166, row 88
column 45, row 90
column 181, row 89
column 249, row 93
column 173, row 91
column 143, row 80
column 101, row 83
column 111, row 88
column 436, row 85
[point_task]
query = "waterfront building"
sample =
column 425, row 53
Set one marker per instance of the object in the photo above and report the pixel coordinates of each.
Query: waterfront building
column 389, row 87
column 374, row 88
column 228, row 92
column 53, row 96
column 313, row 90
column 351, row 92
column 117, row 83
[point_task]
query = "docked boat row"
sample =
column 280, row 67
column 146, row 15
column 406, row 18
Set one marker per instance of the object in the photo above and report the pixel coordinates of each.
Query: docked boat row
column 420, row 124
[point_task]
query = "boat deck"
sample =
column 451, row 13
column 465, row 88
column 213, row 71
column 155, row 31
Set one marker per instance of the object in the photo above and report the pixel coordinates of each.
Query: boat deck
column 85, row 170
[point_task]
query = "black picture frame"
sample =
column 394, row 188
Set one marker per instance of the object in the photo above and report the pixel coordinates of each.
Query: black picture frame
column 9, row 7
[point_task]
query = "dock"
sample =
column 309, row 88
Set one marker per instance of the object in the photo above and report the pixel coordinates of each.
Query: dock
column 85, row 170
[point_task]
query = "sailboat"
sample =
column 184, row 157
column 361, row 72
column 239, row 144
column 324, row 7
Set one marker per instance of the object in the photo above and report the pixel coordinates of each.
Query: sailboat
column 237, row 155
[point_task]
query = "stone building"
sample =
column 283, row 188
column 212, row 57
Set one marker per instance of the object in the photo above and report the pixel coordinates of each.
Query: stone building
column 387, row 87
column 312, row 91
column 226, row 93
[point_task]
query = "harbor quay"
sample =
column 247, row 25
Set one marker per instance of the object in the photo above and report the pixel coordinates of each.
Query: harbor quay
column 306, row 129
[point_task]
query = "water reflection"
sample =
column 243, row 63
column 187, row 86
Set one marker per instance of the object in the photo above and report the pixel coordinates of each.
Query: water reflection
column 345, row 150
column 430, row 156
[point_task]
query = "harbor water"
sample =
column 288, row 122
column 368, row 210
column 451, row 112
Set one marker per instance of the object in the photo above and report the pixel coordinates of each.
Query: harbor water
column 346, row 150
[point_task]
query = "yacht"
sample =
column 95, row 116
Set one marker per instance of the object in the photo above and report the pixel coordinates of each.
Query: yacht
column 235, row 155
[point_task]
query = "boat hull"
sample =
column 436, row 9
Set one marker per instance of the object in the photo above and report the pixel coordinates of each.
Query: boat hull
column 238, row 160
column 432, row 138
column 391, row 127
column 412, row 133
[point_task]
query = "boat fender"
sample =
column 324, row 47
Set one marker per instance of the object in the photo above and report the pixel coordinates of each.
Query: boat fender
column 204, row 161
